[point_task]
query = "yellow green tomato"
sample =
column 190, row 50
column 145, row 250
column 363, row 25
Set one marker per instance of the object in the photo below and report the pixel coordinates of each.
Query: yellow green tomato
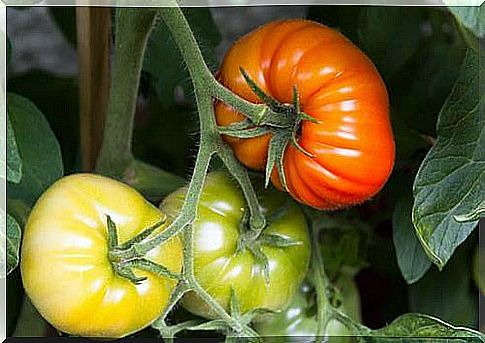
column 300, row 318
column 64, row 258
column 220, row 266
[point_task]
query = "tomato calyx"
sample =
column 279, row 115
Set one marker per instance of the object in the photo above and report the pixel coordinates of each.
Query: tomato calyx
column 124, row 258
column 254, row 241
column 281, row 120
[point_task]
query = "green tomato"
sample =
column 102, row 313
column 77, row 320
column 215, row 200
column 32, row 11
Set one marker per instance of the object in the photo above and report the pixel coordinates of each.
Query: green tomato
column 300, row 318
column 220, row 266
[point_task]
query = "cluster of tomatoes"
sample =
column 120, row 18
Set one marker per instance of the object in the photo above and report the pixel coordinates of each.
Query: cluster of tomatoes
column 64, row 259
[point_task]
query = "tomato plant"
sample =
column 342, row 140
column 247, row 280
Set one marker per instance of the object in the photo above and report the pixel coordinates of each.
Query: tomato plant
column 289, row 179
column 345, row 152
column 265, row 271
column 66, row 238
column 300, row 319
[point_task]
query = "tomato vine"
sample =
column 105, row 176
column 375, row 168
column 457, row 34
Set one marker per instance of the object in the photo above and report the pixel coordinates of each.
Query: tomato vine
column 132, row 31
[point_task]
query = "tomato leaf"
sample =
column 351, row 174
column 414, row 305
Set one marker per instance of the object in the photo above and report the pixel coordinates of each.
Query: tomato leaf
column 14, row 163
column 57, row 98
column 475, row 214
column 10, row 162
column 38, row 148
column 411, row 257
column 450, row 180
column 164, row 62
column 416, row 325
column 448, row 294
column 471, row 17
column 10, row 233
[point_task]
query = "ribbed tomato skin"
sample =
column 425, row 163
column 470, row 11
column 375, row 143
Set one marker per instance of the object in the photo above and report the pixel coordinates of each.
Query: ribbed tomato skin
column 352, row 145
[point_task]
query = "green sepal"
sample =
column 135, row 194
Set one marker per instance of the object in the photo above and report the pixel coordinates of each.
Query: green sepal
column 112, row 233
column 251, row 132
column 265, row 98
column 297, row 145
column 144, row 234
column 127, row 273
column 276, row 150
column 275, row 114
column 305, row 116
column 278, row 241
column 262, row 260
column 153, row 267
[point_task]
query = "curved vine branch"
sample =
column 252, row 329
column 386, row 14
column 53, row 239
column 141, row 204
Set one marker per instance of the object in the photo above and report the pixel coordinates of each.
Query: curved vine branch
column 133, row 29
column 320, row 282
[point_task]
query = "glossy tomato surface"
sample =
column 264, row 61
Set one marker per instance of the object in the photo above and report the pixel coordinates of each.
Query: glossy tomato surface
column 64, row 258
column 352, row 144
column 299, row 320
column 219, row 266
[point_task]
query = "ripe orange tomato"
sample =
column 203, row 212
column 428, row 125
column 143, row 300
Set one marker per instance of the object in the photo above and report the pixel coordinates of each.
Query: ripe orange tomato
column 352, row 144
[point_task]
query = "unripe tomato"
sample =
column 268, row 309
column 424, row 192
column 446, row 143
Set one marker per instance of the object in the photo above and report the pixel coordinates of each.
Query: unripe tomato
column 64, row 258
column 219, row 266
column 352, row 144
column 300, row 318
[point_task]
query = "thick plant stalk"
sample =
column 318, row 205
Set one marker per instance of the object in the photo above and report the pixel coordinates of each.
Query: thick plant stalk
column 133, row 27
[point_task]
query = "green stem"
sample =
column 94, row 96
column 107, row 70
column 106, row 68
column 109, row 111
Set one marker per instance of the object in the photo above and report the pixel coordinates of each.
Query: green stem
column 200, row 73
column 189, row 209
column 206, row 86
column 133, row 27
column 194, row 284
column 257, row 221
column 320, row 282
